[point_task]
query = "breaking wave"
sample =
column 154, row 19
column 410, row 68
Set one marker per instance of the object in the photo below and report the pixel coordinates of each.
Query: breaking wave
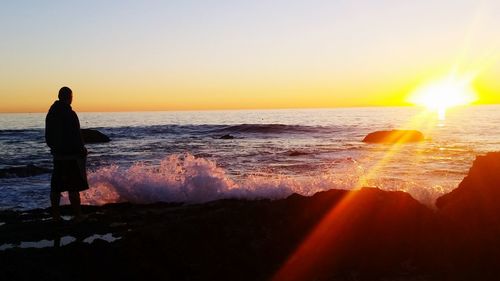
column 185, row 178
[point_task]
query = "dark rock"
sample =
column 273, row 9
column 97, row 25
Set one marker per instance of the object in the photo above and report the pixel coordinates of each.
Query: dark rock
column 477, row 194
column 23, row 171
column 94, row 136
column 297, row 153
column 226, row 137
column 394, row 136
column 472, row 214
column 369, row 231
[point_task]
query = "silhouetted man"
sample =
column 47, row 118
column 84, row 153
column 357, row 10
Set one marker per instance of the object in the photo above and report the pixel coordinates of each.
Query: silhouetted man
column 63, row 136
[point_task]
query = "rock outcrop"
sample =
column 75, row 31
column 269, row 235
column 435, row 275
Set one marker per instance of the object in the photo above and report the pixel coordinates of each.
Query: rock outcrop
column 477, row 194
column 471, row 214
column 394, row 136
column 94, row 136
column 370, row 231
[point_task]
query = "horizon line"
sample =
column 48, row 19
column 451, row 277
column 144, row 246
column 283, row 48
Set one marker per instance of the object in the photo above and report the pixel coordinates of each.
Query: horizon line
column 243, row 109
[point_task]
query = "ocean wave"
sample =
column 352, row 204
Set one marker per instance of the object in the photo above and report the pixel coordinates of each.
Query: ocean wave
column 16, row 131
column 15, row 136
column 275, row 129
column 23, row 171
column 186, row 178
column 217, row 129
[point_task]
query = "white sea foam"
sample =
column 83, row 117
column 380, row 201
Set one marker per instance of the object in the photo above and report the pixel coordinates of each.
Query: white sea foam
column 185, row 178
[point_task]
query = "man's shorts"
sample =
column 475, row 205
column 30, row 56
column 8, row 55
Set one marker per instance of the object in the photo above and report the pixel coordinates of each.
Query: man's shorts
column 69, row 174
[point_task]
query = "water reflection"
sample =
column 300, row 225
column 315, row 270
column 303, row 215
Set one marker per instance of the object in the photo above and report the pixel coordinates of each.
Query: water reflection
column 59, row 241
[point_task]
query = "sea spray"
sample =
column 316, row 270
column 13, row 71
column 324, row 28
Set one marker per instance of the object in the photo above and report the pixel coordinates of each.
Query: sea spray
column 185, row 178
column 178, row 178
column 190, row 179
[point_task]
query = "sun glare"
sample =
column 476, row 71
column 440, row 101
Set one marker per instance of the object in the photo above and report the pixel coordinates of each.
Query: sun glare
column 441, row 94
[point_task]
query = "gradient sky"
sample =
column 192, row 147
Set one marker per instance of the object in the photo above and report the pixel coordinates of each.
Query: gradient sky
column 183, row 55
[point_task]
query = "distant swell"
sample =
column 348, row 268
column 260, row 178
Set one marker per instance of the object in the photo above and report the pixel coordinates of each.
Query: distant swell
column 195, row 129
column 214, row 130
column 274, row 128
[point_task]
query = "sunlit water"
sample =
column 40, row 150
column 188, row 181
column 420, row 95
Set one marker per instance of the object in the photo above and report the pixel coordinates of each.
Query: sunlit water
column 178, row 156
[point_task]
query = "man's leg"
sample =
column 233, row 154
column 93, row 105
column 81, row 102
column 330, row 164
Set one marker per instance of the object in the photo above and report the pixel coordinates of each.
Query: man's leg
column 74, row 198
column 55, row 198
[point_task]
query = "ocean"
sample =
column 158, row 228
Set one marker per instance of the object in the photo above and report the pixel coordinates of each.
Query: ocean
column 180, row 156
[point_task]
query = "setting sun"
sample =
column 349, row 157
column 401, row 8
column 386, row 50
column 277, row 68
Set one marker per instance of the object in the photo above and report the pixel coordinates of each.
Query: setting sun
column 441, row 94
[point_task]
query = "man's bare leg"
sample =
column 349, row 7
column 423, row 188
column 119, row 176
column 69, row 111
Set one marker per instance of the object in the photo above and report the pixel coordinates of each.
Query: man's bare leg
column 74, row 198
column 55, row 198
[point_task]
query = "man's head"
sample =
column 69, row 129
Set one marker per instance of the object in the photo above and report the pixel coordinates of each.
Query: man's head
column 65, row 95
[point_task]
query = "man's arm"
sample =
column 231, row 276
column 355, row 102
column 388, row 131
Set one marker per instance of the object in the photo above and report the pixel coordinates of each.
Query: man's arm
column 53, row 132
column 77, row 139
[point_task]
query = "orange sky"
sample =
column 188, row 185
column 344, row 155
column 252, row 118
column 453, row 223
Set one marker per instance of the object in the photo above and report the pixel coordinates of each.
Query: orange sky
column 264, row 54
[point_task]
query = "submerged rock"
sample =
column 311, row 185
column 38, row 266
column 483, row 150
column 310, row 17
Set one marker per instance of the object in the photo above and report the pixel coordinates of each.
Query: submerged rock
column 297, row 153
column 23, row 171
column 394, row 136
column 226, row 137
column 94, row 136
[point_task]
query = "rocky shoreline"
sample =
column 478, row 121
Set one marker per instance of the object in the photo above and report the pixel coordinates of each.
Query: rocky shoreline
column 367, row 234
